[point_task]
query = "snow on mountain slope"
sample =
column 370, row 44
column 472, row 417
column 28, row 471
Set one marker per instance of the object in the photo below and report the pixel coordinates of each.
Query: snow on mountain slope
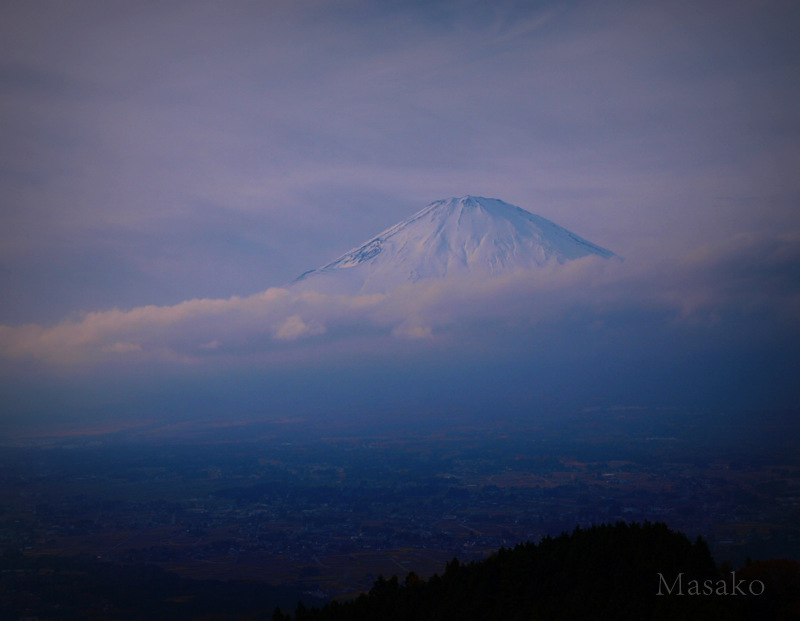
column 462, row 236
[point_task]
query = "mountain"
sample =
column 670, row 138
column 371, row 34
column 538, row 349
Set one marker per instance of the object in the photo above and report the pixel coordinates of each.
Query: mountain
column 470, row 235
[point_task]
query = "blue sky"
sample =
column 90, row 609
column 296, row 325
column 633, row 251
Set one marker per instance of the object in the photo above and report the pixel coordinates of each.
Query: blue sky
column 166, row 168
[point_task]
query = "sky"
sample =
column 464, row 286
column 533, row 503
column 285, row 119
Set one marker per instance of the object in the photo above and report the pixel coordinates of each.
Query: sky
column 167, row 168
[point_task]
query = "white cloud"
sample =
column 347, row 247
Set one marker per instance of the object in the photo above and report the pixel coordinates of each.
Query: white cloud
column 754, row 279
column 256, row 324
column 294, row 327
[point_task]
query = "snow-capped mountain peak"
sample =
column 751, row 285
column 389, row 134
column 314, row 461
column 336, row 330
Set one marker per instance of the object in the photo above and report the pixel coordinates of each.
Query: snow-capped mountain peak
column 454, row 236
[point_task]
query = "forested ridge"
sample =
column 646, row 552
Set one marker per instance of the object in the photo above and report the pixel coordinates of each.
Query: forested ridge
column 603, row 572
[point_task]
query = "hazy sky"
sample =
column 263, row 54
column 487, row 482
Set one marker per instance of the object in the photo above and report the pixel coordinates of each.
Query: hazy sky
column 166, row 167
